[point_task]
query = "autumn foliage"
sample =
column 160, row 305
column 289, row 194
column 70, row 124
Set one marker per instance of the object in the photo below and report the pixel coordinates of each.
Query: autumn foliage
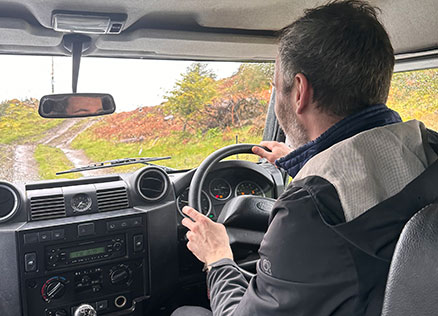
column 144, row 123
column 197, row 104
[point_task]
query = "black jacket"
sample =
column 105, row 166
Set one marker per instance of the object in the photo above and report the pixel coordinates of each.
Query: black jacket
column 323, row 256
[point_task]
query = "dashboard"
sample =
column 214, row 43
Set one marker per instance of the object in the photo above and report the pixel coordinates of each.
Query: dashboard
column 113, row 242
column 225, row 183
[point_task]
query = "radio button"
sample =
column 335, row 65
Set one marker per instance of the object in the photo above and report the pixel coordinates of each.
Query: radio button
column 86, row 280
column 117, row 246
column 53, row 258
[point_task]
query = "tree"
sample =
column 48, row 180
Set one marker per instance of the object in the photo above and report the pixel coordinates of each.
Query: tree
column 252, row 78
column 243, row 97
column 192, row 93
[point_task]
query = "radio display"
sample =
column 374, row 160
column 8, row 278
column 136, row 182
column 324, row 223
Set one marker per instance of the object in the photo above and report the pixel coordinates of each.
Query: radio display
column 86, row 252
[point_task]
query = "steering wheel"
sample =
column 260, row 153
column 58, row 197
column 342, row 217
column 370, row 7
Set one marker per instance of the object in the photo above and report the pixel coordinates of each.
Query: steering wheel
column 245, row 217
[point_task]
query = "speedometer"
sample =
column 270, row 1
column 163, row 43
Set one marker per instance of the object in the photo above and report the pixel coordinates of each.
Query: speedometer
column 249, row 188
column 220, row 189
column 183, row 200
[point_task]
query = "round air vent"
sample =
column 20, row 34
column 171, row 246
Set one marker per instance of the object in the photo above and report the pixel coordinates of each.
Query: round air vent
column 152, row 184
column 9, row 201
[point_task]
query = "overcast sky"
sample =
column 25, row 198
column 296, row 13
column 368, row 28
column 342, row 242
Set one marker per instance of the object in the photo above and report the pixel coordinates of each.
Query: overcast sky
column 132, row 83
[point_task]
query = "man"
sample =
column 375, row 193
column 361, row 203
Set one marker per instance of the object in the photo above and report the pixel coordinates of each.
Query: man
column 357, row 171
column 81, row 105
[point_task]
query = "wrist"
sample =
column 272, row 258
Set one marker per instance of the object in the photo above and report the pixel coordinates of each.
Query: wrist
column 219, row 263
column 219, row 256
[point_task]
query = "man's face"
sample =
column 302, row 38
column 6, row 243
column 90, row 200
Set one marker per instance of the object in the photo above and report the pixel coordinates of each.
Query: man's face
column 79, row 105
column 285, row 111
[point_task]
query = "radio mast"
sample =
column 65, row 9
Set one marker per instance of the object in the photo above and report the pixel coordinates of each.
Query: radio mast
column 53, row 76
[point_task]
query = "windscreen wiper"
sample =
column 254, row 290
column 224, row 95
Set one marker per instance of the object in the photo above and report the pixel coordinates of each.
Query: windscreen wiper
column 115, row 163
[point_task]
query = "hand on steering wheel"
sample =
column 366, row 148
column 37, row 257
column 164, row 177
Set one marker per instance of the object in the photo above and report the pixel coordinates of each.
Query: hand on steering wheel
column 276, row 150
column 208, row 248
column 207, row 240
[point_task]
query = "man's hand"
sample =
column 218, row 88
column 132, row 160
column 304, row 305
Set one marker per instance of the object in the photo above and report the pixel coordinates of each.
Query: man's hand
column 278, row 150
column 208, row 240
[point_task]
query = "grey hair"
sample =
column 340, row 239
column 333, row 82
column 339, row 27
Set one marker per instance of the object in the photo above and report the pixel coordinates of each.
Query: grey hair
column 344, row 52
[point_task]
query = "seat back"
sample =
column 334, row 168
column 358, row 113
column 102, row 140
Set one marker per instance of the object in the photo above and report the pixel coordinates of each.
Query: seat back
column 412, row 286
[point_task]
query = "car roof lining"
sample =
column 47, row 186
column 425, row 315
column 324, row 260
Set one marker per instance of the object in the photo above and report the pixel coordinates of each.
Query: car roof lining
column 203, row 29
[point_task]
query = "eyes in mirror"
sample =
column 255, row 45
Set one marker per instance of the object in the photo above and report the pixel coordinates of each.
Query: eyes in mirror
column 76, row 105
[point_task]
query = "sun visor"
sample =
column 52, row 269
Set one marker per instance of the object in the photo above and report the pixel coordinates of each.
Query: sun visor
column 214, row 46
column 17, row 32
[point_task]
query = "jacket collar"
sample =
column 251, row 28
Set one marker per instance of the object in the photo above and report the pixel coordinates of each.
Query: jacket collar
column 371, row 117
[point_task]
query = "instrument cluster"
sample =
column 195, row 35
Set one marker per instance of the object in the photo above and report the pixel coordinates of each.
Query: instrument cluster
column 224, row 185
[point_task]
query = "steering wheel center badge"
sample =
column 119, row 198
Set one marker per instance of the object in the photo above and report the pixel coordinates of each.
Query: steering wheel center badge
column 266, row 266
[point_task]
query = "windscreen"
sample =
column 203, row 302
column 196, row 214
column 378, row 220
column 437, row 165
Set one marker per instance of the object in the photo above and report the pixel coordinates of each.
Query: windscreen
column 181, row 109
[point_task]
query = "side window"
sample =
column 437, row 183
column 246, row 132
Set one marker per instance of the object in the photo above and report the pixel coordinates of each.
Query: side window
column 414, row 95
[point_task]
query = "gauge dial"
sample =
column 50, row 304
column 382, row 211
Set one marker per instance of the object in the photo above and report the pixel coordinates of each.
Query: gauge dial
column 220, row 189
column 183, row 200
column 249, row 188
column 81, row 202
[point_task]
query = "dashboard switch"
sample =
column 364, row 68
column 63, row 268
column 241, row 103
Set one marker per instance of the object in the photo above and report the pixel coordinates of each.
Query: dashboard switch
column 58, row 234
column 138, row 243
column 85, row 229
column 45, row 236
column 101, row 305
column 135, row 222
column 30, row 238
column 30, row 263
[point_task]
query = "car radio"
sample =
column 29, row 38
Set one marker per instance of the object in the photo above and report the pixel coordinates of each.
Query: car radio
column 101, row 262
column 90, row 252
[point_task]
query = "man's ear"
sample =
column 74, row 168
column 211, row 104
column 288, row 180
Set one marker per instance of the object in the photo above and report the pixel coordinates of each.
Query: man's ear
column 303, row 93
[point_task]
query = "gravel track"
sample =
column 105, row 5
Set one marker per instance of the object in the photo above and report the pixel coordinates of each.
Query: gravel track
column 19, row 165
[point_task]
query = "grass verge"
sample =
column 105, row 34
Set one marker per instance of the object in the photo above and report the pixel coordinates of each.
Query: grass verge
column 50, row 160
column 21, row 123
column 187, row 151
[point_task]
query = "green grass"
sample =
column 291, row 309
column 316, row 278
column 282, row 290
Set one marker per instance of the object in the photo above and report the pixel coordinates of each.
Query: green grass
column 187, row 151
column 50, row 160
column 414, row 95
column 21, row 122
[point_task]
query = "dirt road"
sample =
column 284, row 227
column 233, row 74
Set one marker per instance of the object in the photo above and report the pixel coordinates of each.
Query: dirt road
column 19, row 165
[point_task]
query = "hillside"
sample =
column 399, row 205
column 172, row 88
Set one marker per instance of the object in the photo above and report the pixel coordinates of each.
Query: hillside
column 20, row 121
column 188, row 126
column 415, row 96
column 201, row 114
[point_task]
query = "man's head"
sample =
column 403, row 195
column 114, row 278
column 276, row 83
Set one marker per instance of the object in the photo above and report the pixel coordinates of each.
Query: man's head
column 337, row 59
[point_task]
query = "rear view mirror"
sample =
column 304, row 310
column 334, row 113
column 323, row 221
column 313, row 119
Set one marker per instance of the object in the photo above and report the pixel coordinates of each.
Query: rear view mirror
column 76, row 105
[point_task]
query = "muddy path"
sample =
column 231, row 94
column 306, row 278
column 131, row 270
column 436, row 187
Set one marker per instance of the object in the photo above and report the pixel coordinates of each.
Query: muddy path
column 25, row 167
column 19, row 158
column 78, row 158
column 7, row 162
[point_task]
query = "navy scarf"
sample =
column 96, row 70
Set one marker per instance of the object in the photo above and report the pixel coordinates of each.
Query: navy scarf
column 371, row 117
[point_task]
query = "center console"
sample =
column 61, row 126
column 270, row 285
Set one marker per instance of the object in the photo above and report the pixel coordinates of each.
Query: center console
column 101, row 262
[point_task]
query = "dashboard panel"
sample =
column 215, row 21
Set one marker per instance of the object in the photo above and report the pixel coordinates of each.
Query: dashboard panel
column 114, row 242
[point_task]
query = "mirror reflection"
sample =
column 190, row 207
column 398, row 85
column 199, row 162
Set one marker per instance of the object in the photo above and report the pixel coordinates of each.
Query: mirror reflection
column 76, row 105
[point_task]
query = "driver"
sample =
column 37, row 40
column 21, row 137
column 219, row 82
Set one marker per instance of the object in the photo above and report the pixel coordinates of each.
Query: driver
column 332, row 233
